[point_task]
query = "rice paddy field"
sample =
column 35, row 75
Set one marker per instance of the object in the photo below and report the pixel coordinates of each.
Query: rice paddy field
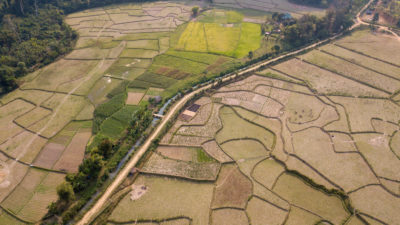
column 207, row 170
column 125, row 55
column 311, row 140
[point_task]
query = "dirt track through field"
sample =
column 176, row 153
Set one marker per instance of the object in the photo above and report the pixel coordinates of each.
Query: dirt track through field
column 37, row 134
column 99, row 65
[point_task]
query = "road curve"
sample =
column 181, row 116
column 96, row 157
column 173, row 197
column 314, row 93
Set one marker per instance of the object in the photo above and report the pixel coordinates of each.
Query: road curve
column 87, row 218
column 359, row 21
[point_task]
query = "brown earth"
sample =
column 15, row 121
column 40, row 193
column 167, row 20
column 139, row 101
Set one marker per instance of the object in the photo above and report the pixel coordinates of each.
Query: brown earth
column 73, row 155
column 232, row 189
column 49, row 155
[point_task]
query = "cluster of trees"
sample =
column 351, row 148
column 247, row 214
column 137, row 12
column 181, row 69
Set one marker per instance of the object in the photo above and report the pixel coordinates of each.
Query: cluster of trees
column 310, row 28
column 390, row 9
column 139, row 123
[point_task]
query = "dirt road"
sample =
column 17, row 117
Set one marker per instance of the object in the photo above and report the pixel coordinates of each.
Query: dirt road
column 359, row 21
column 87, row 218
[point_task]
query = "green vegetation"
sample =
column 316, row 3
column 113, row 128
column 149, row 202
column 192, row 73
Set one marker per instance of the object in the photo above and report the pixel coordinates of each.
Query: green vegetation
column 195, row 11
column 389, row 10
column 285, row 137
column 107, row 109
column 194, row 56
column 222, row 33
column 217, row 43
column 203, row 157
column 113, row 126
column 249, row 39
column 30, row 42
column 184, row 65
column 33, row 34
column 65, row 192
column 103, row 157
column 152, row 80
column 222, row 17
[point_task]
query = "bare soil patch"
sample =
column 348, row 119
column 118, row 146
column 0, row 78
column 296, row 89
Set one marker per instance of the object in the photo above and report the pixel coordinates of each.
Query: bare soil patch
column 137, row 191
column 73, row 155
column 134, row 98
column 14, row 177
column 49, row 155
column 232, row 188
column 216, row 152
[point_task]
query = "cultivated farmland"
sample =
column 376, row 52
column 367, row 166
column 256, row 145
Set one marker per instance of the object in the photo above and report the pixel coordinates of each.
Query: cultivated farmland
column 125, row 55
column 312, row 140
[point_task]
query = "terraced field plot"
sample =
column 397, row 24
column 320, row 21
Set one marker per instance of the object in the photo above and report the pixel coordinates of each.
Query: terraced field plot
column 47, row 123
column 125, row 55
column 292, row 148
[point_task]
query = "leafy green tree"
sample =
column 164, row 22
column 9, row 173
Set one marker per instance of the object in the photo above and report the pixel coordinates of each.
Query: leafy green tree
column 250, row 55
column 105, row 148
column 375, row 17
column 276, row 48
column 195, row 11
column 65, row 192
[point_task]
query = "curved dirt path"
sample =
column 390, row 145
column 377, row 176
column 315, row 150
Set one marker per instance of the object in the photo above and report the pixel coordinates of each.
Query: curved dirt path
column 359, row 21
column 89, row 216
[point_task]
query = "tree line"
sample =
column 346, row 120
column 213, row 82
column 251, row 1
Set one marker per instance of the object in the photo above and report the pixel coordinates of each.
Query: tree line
column 94, row 170
column 309, row 28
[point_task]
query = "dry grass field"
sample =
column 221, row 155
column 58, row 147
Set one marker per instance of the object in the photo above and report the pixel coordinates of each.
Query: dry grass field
column 46, row 123
column 312, row 140
column 173, row 198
